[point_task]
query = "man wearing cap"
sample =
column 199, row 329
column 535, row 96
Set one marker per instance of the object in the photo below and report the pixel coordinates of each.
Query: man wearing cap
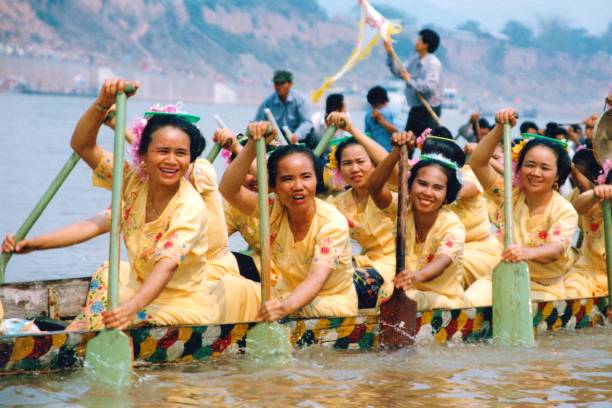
column 422, row 74
column 289, row 108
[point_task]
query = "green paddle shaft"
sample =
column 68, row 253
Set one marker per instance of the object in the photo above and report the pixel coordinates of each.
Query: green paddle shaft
column 115, row 238
column 264, row 224
column 607, row 218
column 216, row 149
column 327, row 136
column 280, row 136
column 39, row 208
column 507, row 187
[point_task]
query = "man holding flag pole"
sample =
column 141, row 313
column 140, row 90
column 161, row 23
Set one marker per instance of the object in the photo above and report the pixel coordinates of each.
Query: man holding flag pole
column 423, row 76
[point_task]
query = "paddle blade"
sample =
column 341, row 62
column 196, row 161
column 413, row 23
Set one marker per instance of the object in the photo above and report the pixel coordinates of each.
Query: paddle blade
column 267, row 340
column 109, row 357
column 512, row 318
column 397, row 321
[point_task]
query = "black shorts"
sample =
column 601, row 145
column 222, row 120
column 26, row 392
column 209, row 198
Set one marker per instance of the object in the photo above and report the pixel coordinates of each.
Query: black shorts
column 247, row 267
column 419, row 119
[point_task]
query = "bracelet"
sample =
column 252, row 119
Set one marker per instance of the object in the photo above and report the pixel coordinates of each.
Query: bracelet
column 100, row 107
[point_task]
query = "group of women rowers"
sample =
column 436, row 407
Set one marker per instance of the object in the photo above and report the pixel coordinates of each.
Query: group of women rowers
column 176, row 220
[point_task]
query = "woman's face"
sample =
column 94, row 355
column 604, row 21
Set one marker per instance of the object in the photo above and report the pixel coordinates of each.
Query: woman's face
column 250, row 180
column 356, row 166
column 296, row 181
column 428, row 190
column 168, row 156
column 538, row 171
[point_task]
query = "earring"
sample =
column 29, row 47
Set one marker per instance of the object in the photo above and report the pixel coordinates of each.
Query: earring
column 556, row 185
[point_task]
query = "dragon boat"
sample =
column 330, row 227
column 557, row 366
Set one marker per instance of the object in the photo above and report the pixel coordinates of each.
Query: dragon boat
column 52, row 303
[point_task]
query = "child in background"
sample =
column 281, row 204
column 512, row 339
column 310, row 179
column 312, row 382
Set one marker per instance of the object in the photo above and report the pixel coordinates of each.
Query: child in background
column 333, row 103
column 380, row 120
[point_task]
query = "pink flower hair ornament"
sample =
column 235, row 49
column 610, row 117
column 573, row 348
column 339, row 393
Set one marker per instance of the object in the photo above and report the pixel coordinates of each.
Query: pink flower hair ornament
column 421, row 139
column 140, row 123
column 606, row 167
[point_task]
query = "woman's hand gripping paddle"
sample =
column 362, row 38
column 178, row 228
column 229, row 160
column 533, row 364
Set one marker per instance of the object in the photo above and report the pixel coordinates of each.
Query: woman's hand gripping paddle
column 512, row 319
column 216, row 149
column 266, row 339
column 398, row 313
column 110, row 354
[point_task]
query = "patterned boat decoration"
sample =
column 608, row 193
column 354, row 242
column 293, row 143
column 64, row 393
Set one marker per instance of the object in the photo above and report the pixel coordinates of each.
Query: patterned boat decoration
column 56, row 349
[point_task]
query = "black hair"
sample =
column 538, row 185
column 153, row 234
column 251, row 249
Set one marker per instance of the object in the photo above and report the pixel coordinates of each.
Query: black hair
column 564, row 164
column 286, row 150
column 452, row 185
column 526, row 125
column 377, row 95
column 431, row 38
column 334, row 103
column 553, row 130
column 483, row 123
column 197, row 143
column 576, row 127
column 447, row 148
column 584, row 160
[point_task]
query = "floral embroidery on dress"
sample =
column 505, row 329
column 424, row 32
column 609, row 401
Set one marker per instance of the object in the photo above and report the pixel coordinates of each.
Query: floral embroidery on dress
column 542, row 234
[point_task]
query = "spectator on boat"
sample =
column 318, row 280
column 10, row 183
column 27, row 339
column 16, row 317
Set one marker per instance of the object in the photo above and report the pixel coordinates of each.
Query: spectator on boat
column 424, row 75
column 310, row 244
column 529, row 126
column 543, row 221
column 475, row 129
column 589, row 127
column 289, row 107
column 334, row 103
column 588, row 277
column 381, row 121
column 482, row 251
column 164, row 224
column 575, row 134
column 434, row 234
column 355, row 159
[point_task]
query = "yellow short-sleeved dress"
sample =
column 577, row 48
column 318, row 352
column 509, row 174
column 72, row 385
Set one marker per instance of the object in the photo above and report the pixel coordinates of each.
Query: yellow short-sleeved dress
column 179, row 234
column 588, row 276
column 374, row 233
column 327, row 243
column 482, row 251
column 556, row 224
column 220, row 260
column 446, row 236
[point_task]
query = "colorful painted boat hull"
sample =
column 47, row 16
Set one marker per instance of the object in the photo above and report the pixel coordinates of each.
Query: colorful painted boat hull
column 58, row 350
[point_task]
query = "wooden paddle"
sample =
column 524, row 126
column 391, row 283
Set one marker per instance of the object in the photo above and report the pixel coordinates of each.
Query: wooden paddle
column 39, row 208
column 266, row 338
column 110, row 354
column 426, row 104
column 216, row 149
column 398, row 313
column 512, row 318
column 280, row 136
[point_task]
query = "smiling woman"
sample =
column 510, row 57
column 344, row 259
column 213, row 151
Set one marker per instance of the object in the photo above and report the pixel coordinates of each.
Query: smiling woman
column 311, row 254
column 164, row 224
column 543, row 221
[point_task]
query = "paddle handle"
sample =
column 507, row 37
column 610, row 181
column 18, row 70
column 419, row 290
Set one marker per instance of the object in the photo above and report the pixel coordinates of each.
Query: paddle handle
column 280, row 136
column 324, row 142
column 426, row 104
column 607, row 218
column 216, row 149
column 264, row 222
column 39, row 208
column 115, row 237
column 400, row 239
column 508, row 239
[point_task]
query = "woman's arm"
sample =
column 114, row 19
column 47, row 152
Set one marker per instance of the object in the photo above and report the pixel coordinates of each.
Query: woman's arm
column 582, row 182
column 479, row 160
column 84, row 137
column 587, row 200
column 302, row 295
column 543, row 254
column 121, row 317
column 63, row 237
column 231, row 184
column 408, row 279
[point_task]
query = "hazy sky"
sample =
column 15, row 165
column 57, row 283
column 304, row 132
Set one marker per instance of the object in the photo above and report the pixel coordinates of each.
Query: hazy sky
column 593, row 15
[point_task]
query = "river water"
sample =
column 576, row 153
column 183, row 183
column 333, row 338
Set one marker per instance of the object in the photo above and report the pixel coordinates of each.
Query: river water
column 565, row 369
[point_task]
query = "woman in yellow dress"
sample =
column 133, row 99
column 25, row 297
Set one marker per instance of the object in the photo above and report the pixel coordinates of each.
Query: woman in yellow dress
column 310, row 246
column 482, row 251
column 543, row 221
column 434, row 234
column 588, row 277
column 355, row 159
column 164, row 224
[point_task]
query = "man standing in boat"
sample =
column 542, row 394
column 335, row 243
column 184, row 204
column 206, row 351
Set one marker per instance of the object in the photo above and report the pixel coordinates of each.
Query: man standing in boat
column 423, row 74
column 289, row 107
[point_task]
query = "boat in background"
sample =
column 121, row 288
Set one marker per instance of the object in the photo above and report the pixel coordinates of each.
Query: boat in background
column 53, row 303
